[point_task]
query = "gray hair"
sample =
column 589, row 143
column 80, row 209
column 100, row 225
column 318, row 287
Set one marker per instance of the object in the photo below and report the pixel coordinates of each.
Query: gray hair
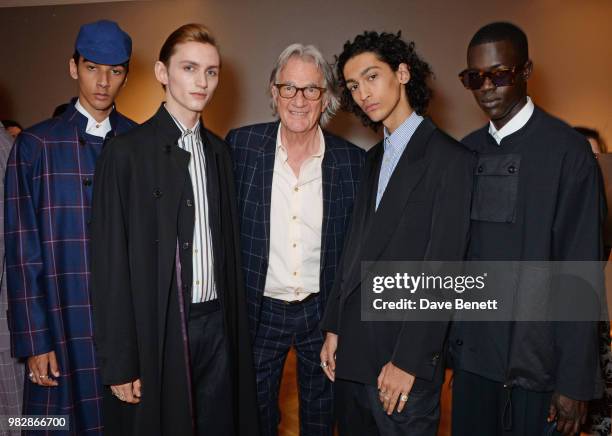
column 312, row 54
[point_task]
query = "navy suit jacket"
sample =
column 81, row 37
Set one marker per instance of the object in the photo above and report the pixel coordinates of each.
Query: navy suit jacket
column 254, row 149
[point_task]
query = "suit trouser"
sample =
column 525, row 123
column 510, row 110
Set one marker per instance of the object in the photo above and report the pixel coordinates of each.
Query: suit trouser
column 484, row 407
column 210, row 371
column 281, row 326
column 360, row 413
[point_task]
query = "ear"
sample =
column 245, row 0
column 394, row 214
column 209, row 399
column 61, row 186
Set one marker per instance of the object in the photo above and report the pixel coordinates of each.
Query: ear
column 74, row 70
column 527, row 70
column 161, row 73
column 403, row 73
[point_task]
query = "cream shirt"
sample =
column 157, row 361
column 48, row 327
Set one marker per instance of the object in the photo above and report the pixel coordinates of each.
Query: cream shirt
column 296, row 218
column 516, row 123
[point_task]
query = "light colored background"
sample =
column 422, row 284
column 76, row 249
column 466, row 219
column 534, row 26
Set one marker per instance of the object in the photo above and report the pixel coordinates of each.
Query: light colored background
column 569, row 44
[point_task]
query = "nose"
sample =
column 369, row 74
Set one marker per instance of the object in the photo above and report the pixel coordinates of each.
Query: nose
column 299, row 99
column 364, row 92
column 487, row 84
column 104, row 79
column 202, row 81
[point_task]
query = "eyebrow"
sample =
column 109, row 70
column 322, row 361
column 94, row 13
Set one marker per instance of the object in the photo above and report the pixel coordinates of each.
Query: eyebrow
column 187, row 61
column 364, row 72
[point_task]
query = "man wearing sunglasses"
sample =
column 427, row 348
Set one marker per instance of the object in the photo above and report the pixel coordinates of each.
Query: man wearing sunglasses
column 295, row 184
column 537, row 198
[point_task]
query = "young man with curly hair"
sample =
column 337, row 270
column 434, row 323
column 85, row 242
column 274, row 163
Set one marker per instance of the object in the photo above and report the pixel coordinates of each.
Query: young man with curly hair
column 413, row 205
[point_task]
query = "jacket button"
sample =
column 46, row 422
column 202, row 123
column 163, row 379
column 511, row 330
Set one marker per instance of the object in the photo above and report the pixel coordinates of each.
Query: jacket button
column 480, row 169
column 189, row 203
column 512, row 169
column 157, row 193
column 186, row 245
column 87, row 181
column 459, row 342
column 82, row 141
column 435, row 358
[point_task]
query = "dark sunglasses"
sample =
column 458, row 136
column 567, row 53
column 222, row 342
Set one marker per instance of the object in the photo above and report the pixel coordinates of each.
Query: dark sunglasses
column 501, row 76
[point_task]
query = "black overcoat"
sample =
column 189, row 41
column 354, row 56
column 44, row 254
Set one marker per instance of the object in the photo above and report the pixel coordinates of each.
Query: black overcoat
column 138, row 311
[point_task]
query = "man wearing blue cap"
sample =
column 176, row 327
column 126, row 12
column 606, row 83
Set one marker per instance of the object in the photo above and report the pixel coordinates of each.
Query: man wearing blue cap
column 48, row 201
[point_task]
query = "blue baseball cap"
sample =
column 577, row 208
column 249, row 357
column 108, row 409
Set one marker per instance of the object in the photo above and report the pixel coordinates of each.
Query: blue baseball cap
column 103, row 42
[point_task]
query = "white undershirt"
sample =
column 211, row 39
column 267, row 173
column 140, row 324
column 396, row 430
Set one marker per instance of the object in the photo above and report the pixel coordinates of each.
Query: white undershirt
column 516, row 123
column 94, row 128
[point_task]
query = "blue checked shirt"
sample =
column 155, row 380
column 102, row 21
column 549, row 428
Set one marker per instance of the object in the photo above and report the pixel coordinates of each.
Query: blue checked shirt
column 395, row 144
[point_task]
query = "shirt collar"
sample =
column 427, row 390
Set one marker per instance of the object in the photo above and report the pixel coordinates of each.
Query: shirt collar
column 401, row 136
column 516, row 123
column 94, row 128
column 281, row 148
column 184, row 130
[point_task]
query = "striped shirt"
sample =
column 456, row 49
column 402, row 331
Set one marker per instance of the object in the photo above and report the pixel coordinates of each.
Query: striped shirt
column 203, row 286
column 395, row 144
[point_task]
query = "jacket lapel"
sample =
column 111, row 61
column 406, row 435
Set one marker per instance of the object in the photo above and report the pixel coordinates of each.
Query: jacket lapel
column 331, row 198
column 383, row 222
column 172, row 174
column 265, row 161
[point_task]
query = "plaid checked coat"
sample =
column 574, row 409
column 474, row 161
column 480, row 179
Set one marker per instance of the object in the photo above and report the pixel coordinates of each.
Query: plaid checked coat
column 49, row 182
column 254, row 148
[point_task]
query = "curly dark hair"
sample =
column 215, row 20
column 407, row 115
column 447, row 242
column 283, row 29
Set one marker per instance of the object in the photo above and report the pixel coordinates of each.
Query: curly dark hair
column 393, row 50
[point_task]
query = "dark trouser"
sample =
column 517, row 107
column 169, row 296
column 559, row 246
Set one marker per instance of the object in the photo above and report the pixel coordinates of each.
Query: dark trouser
column 484, row 407
column 360, row 413
column 210, row 371
column 281, row 326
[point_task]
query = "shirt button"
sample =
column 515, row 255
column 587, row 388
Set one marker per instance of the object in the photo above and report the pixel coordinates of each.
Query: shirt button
column 195, row 251
column 87, row 181
column 295, row 273
column 294, row 217
column 296, row 189
column 294, row 245
column 197, row 282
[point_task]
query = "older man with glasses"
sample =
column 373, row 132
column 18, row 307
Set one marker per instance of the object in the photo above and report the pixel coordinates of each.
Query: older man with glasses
column 295, row 184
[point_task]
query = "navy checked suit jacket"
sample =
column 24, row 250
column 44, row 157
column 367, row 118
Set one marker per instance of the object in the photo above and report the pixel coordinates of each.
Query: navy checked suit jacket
column 253, row 148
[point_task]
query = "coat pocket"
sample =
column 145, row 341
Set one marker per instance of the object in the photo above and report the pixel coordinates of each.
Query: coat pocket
column 496, row 179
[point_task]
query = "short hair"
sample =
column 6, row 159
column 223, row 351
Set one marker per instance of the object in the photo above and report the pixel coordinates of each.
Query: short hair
column 76, row 56
column 592, row 134
column 11, row 123
column 503, row 31
column 192, row 32
column 308, row 53
column 393, row 50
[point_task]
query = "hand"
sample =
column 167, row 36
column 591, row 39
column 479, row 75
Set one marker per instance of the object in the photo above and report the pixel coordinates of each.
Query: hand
column 393, row 382
column 570, row 414
column 128, row 392
column 328, row 355
column 40, row 366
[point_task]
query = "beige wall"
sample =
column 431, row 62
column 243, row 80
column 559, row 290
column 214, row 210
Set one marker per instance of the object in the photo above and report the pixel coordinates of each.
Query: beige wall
column 569, row 44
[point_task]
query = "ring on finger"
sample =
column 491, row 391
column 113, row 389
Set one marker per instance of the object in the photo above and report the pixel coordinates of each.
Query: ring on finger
column 404, row 397
column 324, row 364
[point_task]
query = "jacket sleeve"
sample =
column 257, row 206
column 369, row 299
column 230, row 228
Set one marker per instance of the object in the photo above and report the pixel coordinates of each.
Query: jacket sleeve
column 113, row 310
column 419, row 347
column 27, row 295
column 577, row 237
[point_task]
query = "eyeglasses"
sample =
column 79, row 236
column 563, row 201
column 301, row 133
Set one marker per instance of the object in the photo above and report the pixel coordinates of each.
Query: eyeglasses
column 287, row 90
column 502, row 76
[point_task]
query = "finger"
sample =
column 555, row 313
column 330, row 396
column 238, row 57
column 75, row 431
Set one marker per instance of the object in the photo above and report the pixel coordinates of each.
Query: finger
column 552, row 413
column 42, row 365
column 53, row 366
column 136, row 389
column 381, row 378
column 401, row 403
column 560, row 424
column 392, row 402
column 126, row 393
column 576, row 427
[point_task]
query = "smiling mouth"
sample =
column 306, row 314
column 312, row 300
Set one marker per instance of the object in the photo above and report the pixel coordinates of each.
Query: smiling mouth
column 298, row 114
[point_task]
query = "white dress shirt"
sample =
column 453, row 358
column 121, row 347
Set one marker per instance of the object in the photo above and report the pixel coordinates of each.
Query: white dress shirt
column 94, row 128
column 203, row 285
column 296, row 220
